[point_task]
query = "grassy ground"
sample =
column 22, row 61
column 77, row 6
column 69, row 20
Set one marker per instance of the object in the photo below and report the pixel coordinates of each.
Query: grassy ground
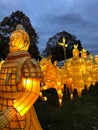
column 79, row 114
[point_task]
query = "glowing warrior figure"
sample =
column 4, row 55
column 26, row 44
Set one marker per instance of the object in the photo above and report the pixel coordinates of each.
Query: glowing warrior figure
column 75, row 66
column 19, row 85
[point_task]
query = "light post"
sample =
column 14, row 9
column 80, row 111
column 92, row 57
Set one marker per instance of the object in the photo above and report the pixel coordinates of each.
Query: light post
column 64, row 45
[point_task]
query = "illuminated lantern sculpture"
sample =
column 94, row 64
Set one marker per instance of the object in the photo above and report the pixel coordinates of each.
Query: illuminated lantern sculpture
column 96, row 68
column 52, row 79
column 1, row 62
column 64, row 74
column 86, row 72
column 19, row 85
column 92, row 69
column 75, row 66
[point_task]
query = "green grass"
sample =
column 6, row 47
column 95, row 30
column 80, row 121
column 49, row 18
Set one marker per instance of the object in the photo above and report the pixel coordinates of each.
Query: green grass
column 78, row 114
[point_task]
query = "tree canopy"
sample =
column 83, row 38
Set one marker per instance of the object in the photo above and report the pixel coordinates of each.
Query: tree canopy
column 8, row 25
column 57, row 52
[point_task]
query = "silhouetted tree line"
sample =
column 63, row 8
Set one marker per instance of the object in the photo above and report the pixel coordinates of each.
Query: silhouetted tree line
column 57, row 52
column 8, row 25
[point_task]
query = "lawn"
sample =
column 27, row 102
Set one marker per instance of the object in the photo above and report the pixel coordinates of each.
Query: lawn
column 78, row 114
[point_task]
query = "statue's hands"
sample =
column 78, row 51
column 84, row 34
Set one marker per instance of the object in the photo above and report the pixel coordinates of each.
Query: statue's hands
column 6, row 117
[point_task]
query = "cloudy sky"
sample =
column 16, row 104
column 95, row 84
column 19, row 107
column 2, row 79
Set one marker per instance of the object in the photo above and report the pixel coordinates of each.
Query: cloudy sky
column 48, row 17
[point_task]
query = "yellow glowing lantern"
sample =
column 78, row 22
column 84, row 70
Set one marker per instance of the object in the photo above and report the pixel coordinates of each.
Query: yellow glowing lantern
column 19, row 85
column 91, row 69
column 52, row 77
column 32, row 86
column 94, row 69
column 75, row 67
column 86, row 72
column 84, row 54
column 96, row 59
column 96, row 66
column 1, row 62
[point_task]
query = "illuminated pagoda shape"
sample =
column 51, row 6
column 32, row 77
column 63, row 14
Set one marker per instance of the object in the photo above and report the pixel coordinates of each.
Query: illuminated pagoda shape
column 75, row 67
column 20, row 77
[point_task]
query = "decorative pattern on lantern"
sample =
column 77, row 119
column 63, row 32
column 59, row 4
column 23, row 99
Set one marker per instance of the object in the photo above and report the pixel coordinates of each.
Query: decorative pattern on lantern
column 20, row 77
column 29, row 84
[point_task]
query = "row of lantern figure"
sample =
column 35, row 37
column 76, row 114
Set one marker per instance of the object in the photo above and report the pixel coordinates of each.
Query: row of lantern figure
column 77, row 73
column 22, row 80
column 20, row 76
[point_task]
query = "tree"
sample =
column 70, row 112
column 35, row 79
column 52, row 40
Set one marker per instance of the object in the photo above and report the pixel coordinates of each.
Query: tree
column 8, row 25
column 57, row 52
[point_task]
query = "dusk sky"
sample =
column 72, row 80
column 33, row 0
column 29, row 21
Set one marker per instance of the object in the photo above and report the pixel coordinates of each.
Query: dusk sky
column 48, row 17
